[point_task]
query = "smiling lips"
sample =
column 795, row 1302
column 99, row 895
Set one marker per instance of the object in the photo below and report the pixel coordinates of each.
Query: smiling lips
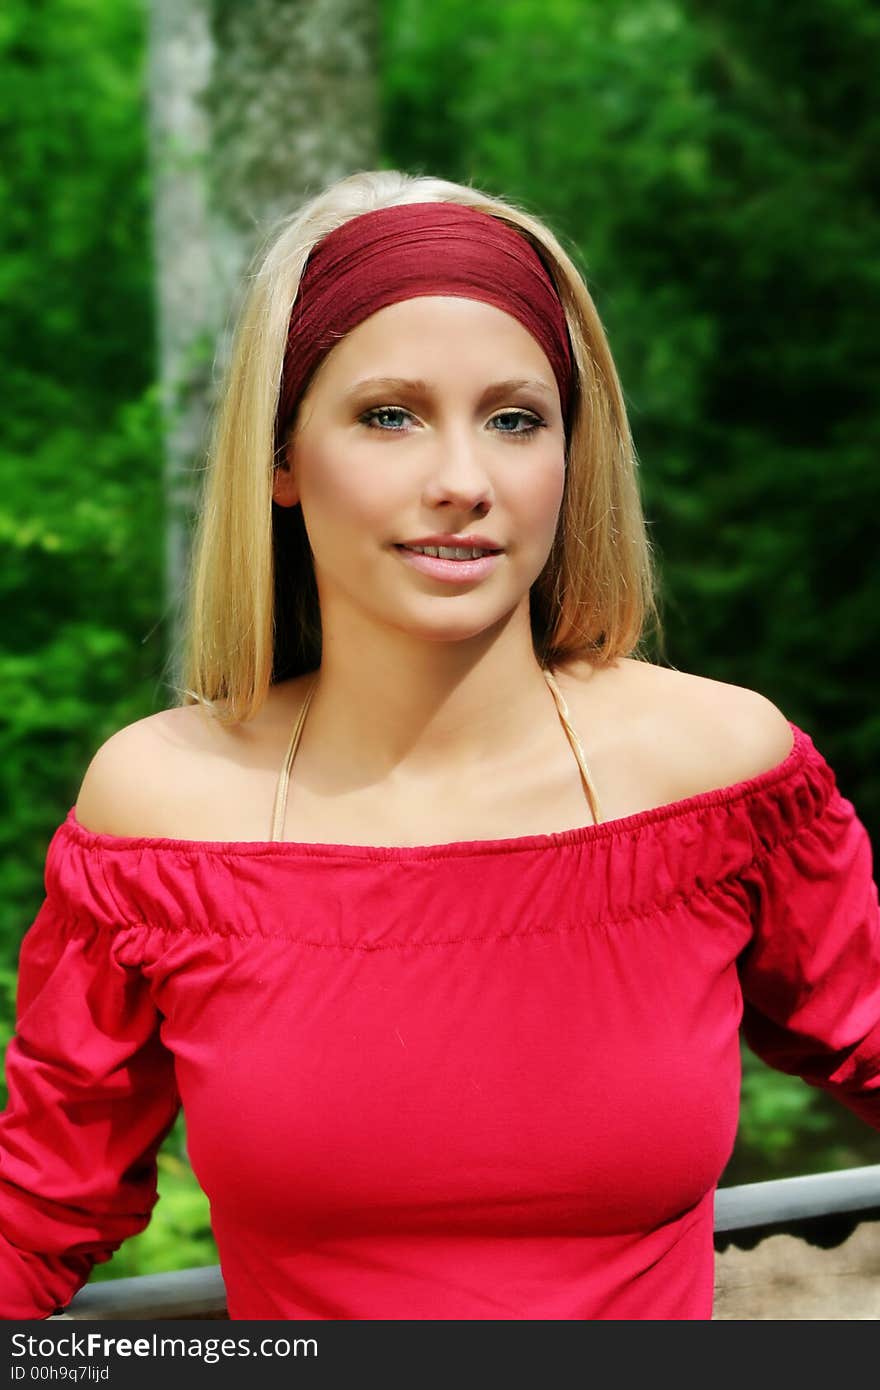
column 449, row 540
column 450, row 570
column 451, row 552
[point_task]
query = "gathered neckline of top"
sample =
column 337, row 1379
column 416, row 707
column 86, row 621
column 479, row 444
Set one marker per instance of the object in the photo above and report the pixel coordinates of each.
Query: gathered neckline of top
column 554, row 839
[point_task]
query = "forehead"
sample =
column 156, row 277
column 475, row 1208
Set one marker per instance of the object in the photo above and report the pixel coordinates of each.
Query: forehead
column 427, row 334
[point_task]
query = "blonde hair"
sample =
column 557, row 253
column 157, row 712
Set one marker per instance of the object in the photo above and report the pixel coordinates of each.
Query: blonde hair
column 251, row 612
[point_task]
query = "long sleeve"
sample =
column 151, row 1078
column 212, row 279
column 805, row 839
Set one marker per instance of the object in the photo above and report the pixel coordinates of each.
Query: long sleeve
column 810, row 975
column 92, row 1093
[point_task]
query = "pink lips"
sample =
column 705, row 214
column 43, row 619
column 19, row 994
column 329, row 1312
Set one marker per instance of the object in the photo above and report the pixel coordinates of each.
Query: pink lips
column 450, row 571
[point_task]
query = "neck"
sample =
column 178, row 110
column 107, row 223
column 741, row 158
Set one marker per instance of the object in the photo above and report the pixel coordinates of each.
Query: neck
column 427, row 712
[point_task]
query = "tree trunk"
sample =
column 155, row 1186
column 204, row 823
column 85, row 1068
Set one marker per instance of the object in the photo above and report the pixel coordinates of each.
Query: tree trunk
column 253, row 107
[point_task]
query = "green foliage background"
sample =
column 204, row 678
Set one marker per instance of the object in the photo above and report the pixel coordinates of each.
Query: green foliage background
column 712, row 168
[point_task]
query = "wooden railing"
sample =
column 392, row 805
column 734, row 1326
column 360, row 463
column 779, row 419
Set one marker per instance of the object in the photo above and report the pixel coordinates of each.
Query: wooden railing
column 799, row 1248
column 790, row 1249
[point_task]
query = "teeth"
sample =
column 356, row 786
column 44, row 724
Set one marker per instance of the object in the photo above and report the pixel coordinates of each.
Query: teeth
column 446, row 552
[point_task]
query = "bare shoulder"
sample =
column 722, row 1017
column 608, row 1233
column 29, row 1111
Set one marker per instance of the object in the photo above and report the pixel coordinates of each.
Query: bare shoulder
column 730, row 729
column 138, row 775
column 693, row 732
column 714, row 727
column 184, row 774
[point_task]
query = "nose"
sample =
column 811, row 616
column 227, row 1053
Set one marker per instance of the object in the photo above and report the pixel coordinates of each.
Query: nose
column 458, row 473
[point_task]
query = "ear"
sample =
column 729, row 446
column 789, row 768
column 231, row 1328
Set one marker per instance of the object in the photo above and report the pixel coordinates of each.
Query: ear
column 284, row 489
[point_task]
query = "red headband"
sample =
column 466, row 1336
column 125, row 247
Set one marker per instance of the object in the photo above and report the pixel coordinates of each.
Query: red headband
column 406, row 251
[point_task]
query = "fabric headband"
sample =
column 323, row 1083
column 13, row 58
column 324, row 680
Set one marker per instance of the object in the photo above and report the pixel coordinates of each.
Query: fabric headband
column 406, row 251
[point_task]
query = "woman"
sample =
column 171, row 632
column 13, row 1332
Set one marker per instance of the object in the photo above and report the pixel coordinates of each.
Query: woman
column 455, row 1023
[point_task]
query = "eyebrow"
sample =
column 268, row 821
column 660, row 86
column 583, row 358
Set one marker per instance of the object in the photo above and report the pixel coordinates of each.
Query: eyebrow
column 418, row 387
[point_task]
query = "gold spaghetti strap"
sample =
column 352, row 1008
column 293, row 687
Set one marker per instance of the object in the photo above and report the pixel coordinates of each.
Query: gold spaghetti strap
column 284, row 775
column 562, row 707
column 575, row 742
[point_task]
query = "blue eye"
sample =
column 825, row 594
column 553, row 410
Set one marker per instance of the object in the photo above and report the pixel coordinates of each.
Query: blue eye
column 372, row 419
column 370, row 416
column 532, row 423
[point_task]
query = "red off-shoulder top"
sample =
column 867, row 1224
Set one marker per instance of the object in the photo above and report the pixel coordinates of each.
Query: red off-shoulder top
column 491, row 1079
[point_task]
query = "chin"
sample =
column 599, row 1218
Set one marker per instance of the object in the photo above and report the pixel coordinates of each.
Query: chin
column 461, row 627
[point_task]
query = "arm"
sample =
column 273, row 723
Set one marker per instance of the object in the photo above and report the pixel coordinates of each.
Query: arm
column 811, row 974
column 92, row 1092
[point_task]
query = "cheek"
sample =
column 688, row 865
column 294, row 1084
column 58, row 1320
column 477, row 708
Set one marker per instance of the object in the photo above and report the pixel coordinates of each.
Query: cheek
column 537, row 497
column 339, row 491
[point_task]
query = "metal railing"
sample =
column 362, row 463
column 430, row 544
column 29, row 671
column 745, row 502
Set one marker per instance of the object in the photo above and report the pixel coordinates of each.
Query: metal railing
column 822, row 1209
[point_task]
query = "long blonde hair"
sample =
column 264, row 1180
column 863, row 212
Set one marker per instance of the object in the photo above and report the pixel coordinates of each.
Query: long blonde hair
column 251, row 614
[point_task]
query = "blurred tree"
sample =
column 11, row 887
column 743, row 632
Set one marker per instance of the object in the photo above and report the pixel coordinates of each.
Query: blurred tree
column 252, row 108
column 80, row 512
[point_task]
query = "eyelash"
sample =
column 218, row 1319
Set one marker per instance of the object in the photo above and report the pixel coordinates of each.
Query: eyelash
column 535, row 421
